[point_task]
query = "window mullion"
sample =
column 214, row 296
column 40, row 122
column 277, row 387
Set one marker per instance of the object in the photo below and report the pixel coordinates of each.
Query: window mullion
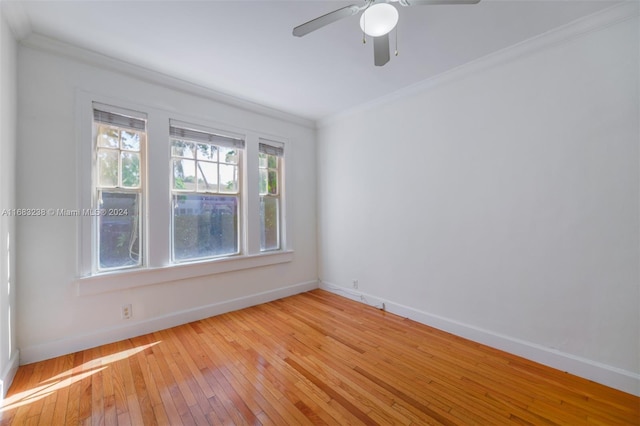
column 156, row 201
column 251, row 179
column 119, row 168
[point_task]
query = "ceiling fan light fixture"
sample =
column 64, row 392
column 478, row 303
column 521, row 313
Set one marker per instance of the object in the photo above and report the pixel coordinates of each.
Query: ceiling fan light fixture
column 379, row 19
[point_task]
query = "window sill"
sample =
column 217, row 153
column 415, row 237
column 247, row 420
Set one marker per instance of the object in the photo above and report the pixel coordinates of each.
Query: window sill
column 122, row 280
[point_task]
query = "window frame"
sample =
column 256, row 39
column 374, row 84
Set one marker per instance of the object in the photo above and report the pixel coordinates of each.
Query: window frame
column 157, row 267
column 274, row 149
column 98, row 189
column 196, row 135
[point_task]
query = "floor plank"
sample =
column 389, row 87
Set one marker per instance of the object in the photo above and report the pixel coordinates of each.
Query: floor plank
column 315, row 358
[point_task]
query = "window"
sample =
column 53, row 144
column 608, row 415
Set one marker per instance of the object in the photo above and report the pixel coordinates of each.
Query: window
column 269, row 163
column 120, row 140
column 205, row 193
column 186, row 204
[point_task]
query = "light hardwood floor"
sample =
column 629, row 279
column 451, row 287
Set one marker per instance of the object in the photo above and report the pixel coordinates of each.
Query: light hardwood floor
column 314, row 358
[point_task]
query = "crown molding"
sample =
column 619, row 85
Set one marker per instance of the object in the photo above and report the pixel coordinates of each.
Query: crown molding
column 14, row 13
column 597, row 21
column 16, row 17
column 60, row 48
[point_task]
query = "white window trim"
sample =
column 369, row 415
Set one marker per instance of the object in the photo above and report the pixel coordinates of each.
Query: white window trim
column 126, row 279
column 157, row 267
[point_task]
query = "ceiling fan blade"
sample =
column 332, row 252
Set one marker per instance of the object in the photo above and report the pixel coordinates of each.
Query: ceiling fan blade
column 323, row 20
column 381, row 50
column 429, row 2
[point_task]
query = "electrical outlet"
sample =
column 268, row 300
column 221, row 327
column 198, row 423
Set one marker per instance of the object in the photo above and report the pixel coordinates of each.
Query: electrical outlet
column 127, row 311
column 355, row 283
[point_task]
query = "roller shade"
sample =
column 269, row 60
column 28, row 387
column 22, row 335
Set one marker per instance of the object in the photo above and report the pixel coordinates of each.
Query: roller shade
column 199, row 136
column 113, row 119
column 271, row 148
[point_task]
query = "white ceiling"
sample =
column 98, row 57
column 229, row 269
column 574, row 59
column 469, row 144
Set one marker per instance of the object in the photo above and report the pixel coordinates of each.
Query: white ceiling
column 246, row 49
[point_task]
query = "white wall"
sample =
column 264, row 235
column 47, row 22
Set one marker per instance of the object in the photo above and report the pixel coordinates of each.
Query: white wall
column 502, row 204
column 8, row 107
column 52, row 318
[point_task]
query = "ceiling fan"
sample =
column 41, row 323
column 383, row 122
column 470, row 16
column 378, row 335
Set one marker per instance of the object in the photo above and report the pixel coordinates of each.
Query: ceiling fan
column 378, row 18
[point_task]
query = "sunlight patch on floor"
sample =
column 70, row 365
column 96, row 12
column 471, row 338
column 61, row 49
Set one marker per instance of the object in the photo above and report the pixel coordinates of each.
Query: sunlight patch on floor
column 67, row 378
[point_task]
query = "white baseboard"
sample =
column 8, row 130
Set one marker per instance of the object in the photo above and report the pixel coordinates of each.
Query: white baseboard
column 607, row 375
column 7, row 375
column 81, row 342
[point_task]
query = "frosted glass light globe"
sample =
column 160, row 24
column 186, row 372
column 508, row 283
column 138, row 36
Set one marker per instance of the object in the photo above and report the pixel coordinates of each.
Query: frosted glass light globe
column 379, row 19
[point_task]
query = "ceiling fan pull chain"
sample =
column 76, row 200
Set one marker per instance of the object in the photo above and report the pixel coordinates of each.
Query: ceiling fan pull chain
column 396, row 40
column 364, row 35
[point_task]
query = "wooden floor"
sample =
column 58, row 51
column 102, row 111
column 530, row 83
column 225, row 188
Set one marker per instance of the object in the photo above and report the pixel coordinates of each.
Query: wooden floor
column 314, row 358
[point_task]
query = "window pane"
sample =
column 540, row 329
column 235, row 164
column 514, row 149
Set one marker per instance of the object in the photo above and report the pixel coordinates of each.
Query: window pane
column 263, row 181
column 262, row 160
column 228, row 179
column 107, row 168
column 228, row 155
column 182, row 149
column 269, row 223
column 119, row 233
column 207, row 176
column 130, row 169
column 273, row 182
column 272, row 162
column 204, row 226
column 184, row 175
column 207, row 152
column 130, row 140
column 108, row 137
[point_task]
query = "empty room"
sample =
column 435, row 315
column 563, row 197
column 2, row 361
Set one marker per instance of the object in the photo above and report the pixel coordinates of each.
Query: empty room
column 320, row 212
